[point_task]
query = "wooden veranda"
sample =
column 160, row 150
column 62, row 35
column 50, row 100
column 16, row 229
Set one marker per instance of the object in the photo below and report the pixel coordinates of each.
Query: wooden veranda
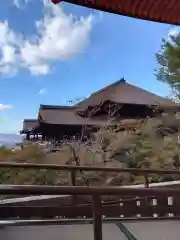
column 137, row 204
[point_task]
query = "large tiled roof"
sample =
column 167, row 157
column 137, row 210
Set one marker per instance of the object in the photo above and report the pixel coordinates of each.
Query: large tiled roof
column 122, row 92
column 65, row 115
column 166, row 11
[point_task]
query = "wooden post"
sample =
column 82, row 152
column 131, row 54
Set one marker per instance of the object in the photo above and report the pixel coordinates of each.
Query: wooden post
column 73, row 182
column 97, row 217
column 146, row 183
column 27, row 137
column 73, row 178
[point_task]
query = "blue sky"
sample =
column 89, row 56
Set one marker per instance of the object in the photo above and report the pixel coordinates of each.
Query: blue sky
column 54, row 54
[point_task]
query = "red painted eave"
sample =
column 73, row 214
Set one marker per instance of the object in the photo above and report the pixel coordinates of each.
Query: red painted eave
column 165, row 11
column 56, row 1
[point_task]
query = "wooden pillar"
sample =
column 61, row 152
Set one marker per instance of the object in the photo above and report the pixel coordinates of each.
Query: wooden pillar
column 27, row 137
column 97, row 217
column 43, row 137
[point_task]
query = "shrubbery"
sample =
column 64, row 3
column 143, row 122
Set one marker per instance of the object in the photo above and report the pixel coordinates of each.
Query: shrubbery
column 154, row 145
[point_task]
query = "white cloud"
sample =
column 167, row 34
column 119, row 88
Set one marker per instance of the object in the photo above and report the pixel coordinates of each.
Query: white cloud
column 20, row 3
column 42, row 91
column 4, row 107
column 174, row 31
column 58, row 37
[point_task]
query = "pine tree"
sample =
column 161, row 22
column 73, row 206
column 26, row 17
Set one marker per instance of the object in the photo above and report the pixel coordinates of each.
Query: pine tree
column 168, row 59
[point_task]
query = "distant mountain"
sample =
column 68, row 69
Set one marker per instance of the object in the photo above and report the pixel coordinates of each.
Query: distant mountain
column 9, row 140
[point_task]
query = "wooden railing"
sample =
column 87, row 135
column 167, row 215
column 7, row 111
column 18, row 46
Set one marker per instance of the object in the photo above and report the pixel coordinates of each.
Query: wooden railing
column 97, row 210
column 137, row 204
column 73, row 169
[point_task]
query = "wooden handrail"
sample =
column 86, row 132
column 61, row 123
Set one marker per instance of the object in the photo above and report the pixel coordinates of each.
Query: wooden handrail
column 84, row 190
column 86, row 168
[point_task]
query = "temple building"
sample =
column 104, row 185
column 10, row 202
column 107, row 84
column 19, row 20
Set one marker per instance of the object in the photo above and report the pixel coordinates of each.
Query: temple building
column 113, row 105
column 28, row 125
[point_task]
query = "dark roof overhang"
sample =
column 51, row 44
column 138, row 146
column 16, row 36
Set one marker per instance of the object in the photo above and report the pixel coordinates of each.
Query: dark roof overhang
column 113, row 108
column 118, row 107
column 164, row 11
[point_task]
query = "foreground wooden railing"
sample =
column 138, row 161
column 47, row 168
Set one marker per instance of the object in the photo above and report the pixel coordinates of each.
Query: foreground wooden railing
column 97, row 209
column 133, row 203
column 139, row 208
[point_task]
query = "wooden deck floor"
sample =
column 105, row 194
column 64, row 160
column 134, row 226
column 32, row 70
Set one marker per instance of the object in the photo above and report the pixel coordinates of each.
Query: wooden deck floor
column 70, row 232
column 168, row 230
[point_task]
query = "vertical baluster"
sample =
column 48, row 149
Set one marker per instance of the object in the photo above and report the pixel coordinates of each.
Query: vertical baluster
column 138, row 203
column 170, row 203
column 121, row 205
column 154, row 203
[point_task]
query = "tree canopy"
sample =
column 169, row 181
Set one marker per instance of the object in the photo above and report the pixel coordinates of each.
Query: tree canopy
column 168, row 58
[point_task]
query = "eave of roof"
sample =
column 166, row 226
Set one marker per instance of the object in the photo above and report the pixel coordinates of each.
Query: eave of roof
column 164, row 11
column 56, row 107
column 123, row 93
column 30, row 120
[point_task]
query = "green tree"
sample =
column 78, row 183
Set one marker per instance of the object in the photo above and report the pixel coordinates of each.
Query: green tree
column 168, row 59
